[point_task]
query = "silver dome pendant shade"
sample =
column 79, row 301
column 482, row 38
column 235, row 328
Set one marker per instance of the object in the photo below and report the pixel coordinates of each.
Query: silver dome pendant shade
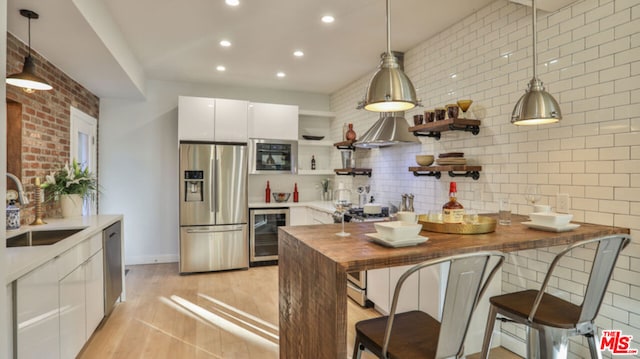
column 536, row 106
column 390, row 90
column 27, row 79
column 390, row 129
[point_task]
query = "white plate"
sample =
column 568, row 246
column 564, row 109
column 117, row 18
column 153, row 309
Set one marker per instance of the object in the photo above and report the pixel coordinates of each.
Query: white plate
column 376, row 237
column 542, row 227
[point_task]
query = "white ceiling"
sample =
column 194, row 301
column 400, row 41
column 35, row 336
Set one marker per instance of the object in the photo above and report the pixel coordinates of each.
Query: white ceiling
column 112, row 46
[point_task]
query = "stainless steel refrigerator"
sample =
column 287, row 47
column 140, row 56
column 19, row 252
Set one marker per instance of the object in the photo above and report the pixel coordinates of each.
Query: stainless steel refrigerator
column 213, row 207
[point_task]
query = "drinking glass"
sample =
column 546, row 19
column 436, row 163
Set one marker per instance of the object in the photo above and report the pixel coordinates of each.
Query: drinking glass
column 342, row 204
column 464, row 106
column 435, row 216
column 504, row 213
column 531, row 194
column 470, row 216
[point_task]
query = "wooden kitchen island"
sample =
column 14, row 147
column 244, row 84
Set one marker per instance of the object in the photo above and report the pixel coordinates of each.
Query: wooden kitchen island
column 313, row 266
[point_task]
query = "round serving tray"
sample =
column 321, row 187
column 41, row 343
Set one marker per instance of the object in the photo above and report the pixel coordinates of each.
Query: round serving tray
column 484, row 225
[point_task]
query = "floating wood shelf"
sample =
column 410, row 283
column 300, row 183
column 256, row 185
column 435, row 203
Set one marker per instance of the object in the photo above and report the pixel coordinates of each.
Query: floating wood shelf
column 454, row 171
column 433, row 129
column 345, row 145
column 353, row 172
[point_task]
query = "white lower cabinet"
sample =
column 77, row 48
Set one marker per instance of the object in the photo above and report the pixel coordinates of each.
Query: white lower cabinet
column 94, row 291
column 72, row 313
column 298, row 216
column 59, row 304
column 320, row 217
column 36, row 306
column 420, row 291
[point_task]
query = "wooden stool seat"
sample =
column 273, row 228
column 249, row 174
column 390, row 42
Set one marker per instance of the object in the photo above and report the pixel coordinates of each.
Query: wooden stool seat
column 414, row 335
column 553, row 311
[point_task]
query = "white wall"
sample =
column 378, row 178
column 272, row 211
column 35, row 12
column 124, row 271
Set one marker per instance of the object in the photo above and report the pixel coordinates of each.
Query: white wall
column 138, row 160
column 589, row 59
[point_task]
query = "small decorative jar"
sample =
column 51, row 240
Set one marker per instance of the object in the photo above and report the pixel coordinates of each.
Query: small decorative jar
column 13, row 215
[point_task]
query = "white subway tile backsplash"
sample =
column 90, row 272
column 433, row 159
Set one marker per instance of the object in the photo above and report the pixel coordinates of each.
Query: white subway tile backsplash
column 588, row 59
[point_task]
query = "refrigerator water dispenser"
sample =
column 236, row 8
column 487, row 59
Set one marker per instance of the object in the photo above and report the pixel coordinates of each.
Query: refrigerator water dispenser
column 193, row 186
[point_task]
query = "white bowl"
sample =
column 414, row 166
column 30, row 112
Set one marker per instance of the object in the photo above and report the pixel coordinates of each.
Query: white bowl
column 393, row 231
column 551, row 219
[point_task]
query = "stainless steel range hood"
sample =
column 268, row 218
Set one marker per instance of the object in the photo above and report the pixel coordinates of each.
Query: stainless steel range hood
column 390, row 129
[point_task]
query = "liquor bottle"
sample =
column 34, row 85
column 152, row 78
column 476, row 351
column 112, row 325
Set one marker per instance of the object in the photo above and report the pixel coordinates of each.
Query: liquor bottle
column 313, row 162
column 267, row 194
column 452, row 211
column 295, row 192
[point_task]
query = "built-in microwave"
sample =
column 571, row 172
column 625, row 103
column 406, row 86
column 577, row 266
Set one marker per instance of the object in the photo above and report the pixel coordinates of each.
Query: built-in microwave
column 273, row 156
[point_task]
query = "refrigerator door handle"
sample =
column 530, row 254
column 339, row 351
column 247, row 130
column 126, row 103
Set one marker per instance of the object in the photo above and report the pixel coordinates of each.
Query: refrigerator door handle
column 216, row 166
column 213, row 205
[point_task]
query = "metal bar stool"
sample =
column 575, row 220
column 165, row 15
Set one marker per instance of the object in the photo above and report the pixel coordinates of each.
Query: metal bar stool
column 551, row 320
column 416, row 334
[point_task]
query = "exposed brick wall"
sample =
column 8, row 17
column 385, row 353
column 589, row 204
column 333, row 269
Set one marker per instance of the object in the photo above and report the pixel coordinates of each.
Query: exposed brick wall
column 45, row 120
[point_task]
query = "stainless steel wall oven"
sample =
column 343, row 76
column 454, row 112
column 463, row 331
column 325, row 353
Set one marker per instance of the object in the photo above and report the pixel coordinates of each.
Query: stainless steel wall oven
column 263, row 236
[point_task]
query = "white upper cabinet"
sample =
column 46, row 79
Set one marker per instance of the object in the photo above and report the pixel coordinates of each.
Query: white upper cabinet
column 272, row 121
column 231, row 120
column 209, row 119
column 196, row 118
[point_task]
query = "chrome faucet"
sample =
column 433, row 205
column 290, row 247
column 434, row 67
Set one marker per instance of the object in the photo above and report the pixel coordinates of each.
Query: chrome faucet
column 21, row 197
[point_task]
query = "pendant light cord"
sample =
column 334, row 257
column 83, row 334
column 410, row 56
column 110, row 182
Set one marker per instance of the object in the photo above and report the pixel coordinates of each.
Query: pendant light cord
column 388, row 27
column 535, row 39
column 29, row 36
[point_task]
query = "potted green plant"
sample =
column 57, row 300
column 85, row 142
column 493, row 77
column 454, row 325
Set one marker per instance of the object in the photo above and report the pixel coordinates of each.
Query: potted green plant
column 71, row 185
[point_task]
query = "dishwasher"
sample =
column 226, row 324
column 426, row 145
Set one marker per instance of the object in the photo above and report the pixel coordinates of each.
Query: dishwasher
column 112, row 244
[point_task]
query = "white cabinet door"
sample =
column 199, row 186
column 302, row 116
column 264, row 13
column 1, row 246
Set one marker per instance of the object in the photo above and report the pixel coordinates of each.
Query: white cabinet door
column 196, row 118
column 94, row 288
column 378, row 289
column 73, row 332
column 273, row 121
column 298, row 216
column 38, row 332
column 9, row 323
column 433, row 280
column 231, row 120
column 408, row 299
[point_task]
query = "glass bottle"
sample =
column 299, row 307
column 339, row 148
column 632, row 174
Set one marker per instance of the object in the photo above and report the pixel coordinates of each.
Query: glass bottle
column 267, row 194
column 452, row 211
column 313, row 162
column 295, row 192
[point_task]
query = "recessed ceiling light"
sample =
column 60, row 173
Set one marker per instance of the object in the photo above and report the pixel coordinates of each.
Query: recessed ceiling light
column 232, row 2
column 281, row 74
column 298, row 53
column 221, row 68
column 225, row 43
column 328, row 19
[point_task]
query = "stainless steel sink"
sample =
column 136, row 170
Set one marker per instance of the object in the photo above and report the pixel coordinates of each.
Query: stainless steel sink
column 41, row 238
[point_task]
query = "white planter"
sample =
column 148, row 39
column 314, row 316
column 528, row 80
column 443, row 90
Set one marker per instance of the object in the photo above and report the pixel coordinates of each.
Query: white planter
column 71, row 205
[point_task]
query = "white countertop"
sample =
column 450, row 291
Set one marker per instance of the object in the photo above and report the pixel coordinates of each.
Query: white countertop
column 22, row 260
column 324, row 206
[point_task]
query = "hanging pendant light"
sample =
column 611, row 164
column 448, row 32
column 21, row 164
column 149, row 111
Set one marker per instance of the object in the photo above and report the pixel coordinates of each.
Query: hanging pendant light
column 27, row 79
column 536, row 106
column 390, row 90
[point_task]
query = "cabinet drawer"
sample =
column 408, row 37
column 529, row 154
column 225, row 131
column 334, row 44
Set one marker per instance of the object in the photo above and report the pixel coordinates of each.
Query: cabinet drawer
column 72, row 258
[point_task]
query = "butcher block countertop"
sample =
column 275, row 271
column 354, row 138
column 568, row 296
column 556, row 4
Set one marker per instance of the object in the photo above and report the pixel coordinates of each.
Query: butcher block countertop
column 313, row 263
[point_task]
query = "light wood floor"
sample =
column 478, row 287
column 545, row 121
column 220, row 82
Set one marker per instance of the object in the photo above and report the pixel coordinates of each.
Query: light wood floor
column 228, row 315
